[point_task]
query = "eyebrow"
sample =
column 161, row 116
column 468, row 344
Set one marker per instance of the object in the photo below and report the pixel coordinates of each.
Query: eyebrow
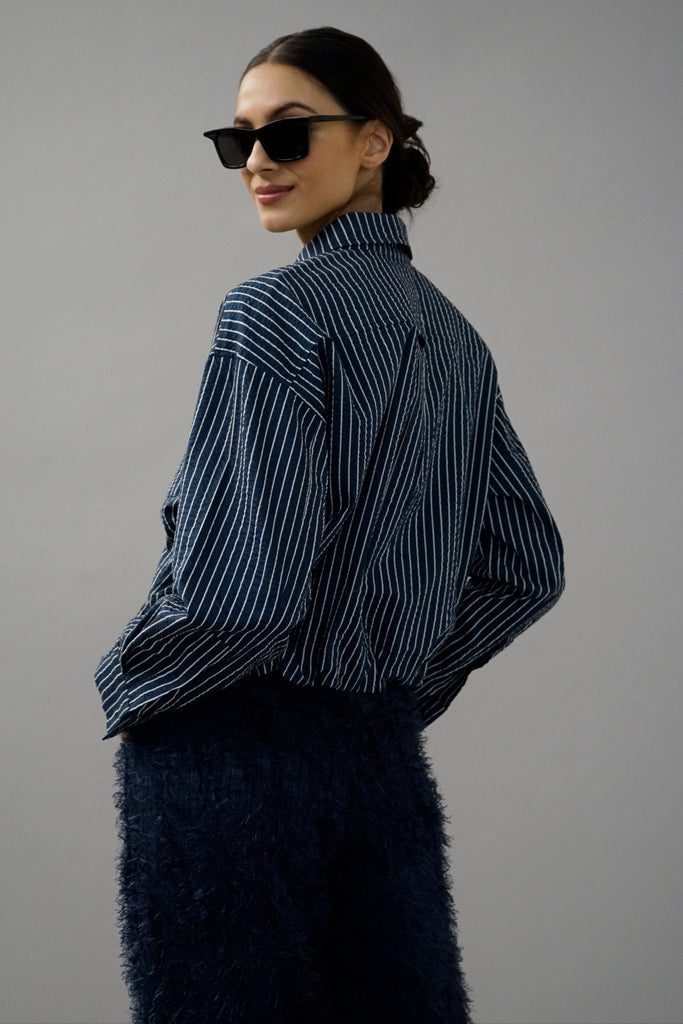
column 244, row 122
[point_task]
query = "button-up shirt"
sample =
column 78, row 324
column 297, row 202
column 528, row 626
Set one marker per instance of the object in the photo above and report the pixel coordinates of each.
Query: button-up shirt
column 353, row 508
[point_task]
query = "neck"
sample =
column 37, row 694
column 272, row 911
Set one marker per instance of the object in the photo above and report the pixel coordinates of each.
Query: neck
column 358, row 204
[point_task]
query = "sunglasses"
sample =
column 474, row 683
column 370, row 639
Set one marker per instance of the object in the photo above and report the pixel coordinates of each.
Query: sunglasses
column 284, row 141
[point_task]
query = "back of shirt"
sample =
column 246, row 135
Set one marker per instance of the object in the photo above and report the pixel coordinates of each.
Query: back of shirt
column 354, row 505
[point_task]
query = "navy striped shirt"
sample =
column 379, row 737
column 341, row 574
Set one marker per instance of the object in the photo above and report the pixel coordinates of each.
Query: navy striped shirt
column 353, row 506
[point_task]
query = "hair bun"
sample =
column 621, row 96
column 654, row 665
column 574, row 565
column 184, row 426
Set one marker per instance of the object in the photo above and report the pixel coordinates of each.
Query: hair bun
column 408, row 180
column 416, row 179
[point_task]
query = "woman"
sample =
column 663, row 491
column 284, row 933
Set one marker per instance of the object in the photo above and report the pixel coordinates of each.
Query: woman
column 353, row 528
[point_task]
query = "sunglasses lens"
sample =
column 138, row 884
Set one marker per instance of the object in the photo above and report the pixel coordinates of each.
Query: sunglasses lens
column 234, row 147
column 286, row 140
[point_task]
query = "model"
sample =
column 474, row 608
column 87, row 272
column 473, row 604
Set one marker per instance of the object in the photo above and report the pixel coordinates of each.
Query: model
column 353, row 529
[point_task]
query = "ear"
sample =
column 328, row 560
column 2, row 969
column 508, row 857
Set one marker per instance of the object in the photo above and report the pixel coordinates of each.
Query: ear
column 378, row 143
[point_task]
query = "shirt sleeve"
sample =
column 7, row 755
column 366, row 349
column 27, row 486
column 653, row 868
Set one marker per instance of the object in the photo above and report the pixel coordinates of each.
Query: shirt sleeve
column 515, row 577
column 243, row 521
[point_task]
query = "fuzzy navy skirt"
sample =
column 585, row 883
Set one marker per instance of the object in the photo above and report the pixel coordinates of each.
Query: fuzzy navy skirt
column 284, row 859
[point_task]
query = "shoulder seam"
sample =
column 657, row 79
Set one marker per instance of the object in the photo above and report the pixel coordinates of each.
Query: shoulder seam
column 229, row 355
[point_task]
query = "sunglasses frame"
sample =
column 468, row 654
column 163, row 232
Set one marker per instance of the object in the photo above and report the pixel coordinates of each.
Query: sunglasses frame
column 252, row 134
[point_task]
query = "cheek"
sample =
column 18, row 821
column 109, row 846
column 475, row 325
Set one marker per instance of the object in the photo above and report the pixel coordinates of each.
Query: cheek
column 332, row 175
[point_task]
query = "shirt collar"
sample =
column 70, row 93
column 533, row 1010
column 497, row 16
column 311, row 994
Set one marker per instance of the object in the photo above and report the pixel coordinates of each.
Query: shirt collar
column 352, row 230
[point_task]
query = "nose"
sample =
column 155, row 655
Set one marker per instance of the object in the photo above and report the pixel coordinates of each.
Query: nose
column 258, row 159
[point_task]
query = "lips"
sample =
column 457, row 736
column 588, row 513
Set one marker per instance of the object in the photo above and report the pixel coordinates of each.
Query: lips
column 268, row 194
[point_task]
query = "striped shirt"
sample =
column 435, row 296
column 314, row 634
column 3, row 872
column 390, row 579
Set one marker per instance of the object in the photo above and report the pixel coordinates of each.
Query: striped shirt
column 353, row 507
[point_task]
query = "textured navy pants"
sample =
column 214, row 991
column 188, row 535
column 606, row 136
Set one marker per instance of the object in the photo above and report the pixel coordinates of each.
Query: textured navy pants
column 283, row 860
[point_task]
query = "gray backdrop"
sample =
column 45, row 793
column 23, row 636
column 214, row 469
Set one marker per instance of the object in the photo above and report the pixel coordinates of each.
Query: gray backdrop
column 555, row 131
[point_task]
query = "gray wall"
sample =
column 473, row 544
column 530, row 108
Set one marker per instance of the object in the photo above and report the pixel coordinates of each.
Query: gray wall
column 555, row 130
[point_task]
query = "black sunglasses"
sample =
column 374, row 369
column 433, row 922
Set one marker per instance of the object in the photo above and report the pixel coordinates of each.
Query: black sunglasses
column 284, row 141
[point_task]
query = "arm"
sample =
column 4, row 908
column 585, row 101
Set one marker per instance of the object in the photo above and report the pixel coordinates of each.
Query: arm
column 515, row 576
column 244, row 519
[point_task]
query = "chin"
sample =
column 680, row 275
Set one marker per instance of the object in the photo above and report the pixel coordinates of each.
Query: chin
column 276, row 229
column 275, row 223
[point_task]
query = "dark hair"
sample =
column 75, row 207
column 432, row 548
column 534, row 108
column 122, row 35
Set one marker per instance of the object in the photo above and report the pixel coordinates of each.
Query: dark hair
column 355, row 74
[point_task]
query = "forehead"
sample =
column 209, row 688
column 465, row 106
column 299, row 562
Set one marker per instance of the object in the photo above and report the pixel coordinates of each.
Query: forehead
column 268, row 87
